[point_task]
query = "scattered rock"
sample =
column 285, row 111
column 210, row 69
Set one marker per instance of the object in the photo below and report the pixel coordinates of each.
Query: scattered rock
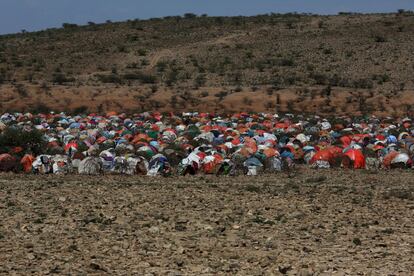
column 31, row 256
column 154, row 230
column 236, row 227
column 357, row 241
column 180, row 227
column 96, row 266
column 284, row 269
column 62, row 199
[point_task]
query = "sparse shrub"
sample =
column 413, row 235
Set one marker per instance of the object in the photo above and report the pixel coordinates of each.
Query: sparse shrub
column 44, row 86
column 321, row 24
column 356, row 241
column 380, row 39
column 327, row 91
column 173, row 101
column 29, row 140
column 161, row 66
column 290, row 80
column 381, row 78
column 190, row 15
column 60, row 78
column 142, row 52
column 132, row 38
column 109, row 78
column 172, row 77
column 100, row 108
column 156, row 104
column 238, row 89
column 290, row 25
column 334, row 80
column 154, row 88
column 219, row 20
column 327, row 51
column 249, row 54
column 142, row 77
column 200, row 80
column 204, row 94
column 40, row 108
column 144, row 62
column 247, row 101
column 132, row 65
column 18, row 63
column 21, row 90
column 278, row 99
column 286, row 62
column 122, row 48
column 269, row 105
column 363, row 83
column 290, row 105
column 29, row 77
column 83, row 109
column 69, row 26
column 319, row 78
column 310, row 67
column 221, row 95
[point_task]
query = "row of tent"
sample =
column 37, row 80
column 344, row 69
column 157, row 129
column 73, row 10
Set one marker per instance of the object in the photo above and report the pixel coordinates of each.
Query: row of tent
column 192, row 143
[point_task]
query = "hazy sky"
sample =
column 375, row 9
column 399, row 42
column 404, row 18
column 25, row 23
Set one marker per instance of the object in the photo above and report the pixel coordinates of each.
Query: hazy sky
column 31, row 15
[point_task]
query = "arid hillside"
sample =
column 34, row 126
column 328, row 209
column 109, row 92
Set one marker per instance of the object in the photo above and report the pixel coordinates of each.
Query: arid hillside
column 348, row 63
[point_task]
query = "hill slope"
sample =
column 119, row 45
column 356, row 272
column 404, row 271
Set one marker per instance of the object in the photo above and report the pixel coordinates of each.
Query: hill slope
column 349, row 63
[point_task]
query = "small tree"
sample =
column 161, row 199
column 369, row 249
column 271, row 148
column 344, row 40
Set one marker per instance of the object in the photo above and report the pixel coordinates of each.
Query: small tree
column 69, row 26
column 200, row 81
column 30, row 141
column 189, row 15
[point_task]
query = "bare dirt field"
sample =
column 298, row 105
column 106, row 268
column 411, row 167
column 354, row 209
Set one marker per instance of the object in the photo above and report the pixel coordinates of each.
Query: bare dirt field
column 309, row 223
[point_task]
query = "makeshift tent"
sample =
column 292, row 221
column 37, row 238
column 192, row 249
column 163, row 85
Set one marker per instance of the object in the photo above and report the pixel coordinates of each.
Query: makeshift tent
column 61, row 164
column 8, row 163
column 353, row 158
column 90, row 166
column 159, row 165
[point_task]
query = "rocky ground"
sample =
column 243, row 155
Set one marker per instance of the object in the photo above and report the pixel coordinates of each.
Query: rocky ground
column 308, row 223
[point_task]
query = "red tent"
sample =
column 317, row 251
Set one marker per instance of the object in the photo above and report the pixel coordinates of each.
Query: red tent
column 27, row 162
column 346, row 140
column 324, row 155
column 71, row 145
column 357, row 158
column 329, row 154
column 336, row 151
column 389, row 157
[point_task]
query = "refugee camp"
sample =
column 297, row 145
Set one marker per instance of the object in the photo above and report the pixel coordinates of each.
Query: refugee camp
column 156, row 144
